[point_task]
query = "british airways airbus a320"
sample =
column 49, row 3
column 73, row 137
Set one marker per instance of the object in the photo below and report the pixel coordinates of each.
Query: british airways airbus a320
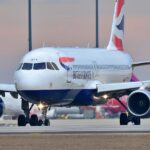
column 81, row 77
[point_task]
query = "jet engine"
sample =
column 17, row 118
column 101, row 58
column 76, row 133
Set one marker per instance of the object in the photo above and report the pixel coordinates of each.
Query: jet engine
column 1, row 107
column 139, row 103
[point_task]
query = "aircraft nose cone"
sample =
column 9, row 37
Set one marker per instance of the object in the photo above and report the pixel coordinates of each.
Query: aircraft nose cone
column 29, row 85
column 30, row 81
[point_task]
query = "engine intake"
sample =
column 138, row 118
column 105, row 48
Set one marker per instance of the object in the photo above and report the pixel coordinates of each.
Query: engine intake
column 139, row 103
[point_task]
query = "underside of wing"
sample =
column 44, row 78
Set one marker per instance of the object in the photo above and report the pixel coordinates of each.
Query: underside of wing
column 119, row 89
column 8, row 88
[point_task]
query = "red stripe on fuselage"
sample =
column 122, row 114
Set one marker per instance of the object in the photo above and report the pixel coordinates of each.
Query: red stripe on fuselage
column 119, row 7
column 66, row 59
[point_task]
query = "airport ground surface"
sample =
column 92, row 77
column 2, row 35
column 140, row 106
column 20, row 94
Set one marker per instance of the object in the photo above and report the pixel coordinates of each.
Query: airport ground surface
column 76, row 135
column 75, row 142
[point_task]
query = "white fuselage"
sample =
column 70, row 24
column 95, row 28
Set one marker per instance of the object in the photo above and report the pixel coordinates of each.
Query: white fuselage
column 76, row 69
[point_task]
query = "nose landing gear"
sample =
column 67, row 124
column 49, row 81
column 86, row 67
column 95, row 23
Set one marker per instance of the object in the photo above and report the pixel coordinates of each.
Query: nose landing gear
column 44, row 121
column 33, row 120
column 23, row 119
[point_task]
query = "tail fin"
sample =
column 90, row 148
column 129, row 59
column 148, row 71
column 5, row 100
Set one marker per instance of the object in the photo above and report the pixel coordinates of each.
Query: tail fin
column 117, row 32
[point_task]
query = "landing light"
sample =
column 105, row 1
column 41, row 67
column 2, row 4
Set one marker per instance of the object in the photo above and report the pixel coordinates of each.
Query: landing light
column 105, row 96
column 40, row 106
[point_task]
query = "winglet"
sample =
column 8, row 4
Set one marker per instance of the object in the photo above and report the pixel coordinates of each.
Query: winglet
column 117, row 32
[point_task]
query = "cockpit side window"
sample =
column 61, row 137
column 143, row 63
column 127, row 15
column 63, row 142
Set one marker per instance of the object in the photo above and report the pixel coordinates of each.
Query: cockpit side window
column 19, row 67
column 49, row 66
column 27, row 66
column 39, row 66
column 52, row 66
column 55, row 66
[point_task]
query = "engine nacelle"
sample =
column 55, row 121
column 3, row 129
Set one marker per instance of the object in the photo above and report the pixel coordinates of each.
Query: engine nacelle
column 139, row 103
column 2, row 107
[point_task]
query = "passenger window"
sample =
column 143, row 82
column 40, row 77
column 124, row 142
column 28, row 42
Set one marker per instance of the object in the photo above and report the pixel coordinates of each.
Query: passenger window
column 55, row 66
column 27, row 66
column 39, row 66
column 49, row 66
column 20, row 66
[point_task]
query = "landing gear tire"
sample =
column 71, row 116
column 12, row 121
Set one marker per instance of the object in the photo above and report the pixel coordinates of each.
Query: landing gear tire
column 47, row 122
column 136, row 120
column 34, row 120
column 40, row 122
column 21, row 120
column 123, row 119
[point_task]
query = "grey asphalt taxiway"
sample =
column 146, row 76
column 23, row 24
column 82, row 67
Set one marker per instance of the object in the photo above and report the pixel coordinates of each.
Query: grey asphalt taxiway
column 77, row 126
column 102, row 134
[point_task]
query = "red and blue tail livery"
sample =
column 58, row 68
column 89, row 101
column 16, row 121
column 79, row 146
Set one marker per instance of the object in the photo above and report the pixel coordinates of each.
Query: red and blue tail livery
column 117, row 33
column 119, row 7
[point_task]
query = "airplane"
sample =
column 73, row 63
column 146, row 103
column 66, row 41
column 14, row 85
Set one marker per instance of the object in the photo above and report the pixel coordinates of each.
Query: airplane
column 81, row 77
column 10, row 106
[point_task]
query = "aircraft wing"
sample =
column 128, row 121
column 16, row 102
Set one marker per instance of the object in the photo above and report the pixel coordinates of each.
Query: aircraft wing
column 122, row 88
column 143, row 63
column 8, row 88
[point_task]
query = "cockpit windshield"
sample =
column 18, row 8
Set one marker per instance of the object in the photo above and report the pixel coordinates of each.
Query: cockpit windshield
column 27, row 66
column 39, row 66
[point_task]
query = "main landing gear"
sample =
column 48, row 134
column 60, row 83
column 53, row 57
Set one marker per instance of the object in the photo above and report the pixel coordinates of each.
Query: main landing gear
column 33, row 120
column 125, row 118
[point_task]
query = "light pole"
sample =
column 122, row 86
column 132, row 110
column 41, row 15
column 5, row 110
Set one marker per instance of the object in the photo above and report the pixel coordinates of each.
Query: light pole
column 97, row 25
column 29, row 25
column 25, row 104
